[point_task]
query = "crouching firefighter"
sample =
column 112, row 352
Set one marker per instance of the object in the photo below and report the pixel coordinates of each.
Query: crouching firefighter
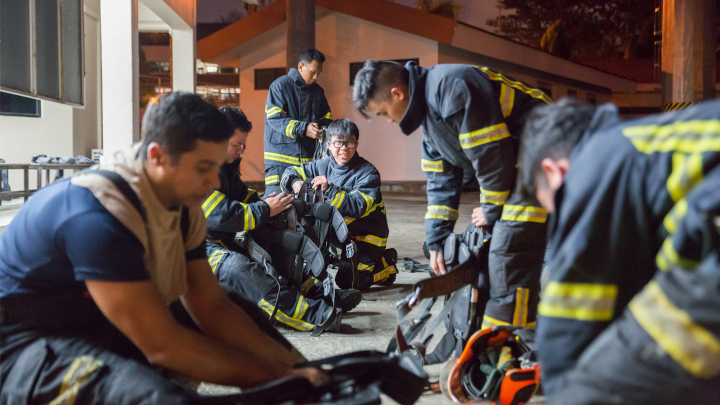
column 351, row 184
column 236, row 208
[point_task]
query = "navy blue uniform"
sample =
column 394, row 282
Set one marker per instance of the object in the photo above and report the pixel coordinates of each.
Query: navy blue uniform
column 236, row 208
column 612, row 215
column 354, row 190
column 290, row 107
column 472, row 119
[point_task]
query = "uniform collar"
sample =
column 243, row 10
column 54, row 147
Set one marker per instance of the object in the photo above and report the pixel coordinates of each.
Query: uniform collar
column 347, row 166
column 417, row 107
column 297, row 78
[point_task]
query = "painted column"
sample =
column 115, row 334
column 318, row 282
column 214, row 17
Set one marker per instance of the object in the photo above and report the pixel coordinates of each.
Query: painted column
column 300, row 34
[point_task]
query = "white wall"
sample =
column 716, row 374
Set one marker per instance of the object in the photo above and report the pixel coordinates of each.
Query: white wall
column 23, row 137
column 343, row 39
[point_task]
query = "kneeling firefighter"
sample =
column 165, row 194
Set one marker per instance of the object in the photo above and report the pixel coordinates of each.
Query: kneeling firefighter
column 236, row 208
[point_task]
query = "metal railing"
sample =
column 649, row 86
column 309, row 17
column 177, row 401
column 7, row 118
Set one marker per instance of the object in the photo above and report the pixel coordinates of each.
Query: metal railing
column 39, row 167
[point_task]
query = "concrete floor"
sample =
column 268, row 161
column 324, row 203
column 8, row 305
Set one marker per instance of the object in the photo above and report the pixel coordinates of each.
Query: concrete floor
column 371, row 325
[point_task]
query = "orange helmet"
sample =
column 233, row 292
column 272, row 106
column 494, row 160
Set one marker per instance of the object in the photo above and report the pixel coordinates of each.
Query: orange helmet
column 492, row 367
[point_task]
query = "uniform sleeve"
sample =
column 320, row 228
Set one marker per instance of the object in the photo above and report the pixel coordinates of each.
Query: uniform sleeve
column 444, row 186
column 249, row 195
column 227, row 215
column 101, row 248
column 325, row 114
column 475, row 112
column 295, row 173
column 276, row 115
column 356, row 202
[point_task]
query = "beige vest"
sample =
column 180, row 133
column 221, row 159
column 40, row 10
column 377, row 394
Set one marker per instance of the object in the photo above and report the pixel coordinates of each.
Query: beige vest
column 161, row 235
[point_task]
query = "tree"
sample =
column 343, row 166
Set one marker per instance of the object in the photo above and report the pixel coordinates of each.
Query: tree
column 581, row 28
column 445, row 8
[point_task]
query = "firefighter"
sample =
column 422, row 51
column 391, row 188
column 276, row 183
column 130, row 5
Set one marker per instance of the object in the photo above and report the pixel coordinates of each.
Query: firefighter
column 89, row 265
column 617, row 190
column 351, row 184
column 472, row 118
column 235, row 208
column 296, row 112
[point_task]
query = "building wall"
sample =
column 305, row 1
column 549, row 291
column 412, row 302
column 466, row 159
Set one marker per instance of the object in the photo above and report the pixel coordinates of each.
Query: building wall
column 87, row 122
column 343, row 39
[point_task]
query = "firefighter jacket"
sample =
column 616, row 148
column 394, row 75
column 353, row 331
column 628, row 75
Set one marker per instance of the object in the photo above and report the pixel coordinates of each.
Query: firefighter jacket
column 291, row 105
column 234, row 207
column 472, row 118
column 611, row 217
column 354, row 189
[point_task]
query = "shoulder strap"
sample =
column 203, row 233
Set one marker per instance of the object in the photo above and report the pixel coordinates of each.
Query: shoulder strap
column 124, row 188
column 185, row 223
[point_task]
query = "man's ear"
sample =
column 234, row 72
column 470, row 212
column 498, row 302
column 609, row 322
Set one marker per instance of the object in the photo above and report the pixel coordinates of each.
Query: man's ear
column 157, row 155
column 396, row 93
column 300, row 65
column 555, row 171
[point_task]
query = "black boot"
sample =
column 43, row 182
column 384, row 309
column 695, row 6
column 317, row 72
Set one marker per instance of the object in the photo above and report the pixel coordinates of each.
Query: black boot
column 347, row 299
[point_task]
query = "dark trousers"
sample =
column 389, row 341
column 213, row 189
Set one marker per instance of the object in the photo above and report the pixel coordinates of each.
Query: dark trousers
column 300, row 309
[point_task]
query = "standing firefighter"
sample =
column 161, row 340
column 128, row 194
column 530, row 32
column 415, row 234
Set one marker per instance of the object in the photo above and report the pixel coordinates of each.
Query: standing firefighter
column 471, row 118
column 235, row 208
column 631, row 312
column 296, row 110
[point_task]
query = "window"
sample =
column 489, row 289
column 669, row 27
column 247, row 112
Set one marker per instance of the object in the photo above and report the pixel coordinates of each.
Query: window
column 10, row 104
column 545, row 88
column 265, row 77
column 572, row 93
column 591, row 98
column 356, row 66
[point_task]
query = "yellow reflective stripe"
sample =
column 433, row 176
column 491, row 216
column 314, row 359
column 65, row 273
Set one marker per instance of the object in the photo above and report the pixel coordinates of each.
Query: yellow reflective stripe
column 282, row 158
column 584, row 302
column 215, row 258
column 668, row 258
column 327, row 116
column 273, row 110
column 249, row 195
column 441, row 212
column 695, row 348
column 307, row 285
column 373, row 240
column 249, row 218
column 521, row 307
column 348, row 220
column 376, row 206
column 301, row 172
column 493, row 197
column 272, row 179
column 534, row 93
column 686, row 173
column 306, row 160
column 301, row 306
column 379, row 276
column 76, row 376
column 362, row 266
column 209, row 200
column 369, row 201
column 524, row 214
column 484, row 135
column 431, row 165
column 489, row 322
column 209, row 209
column 338, row 200
column 290, row 128
column 282, row 318
column 685, row 136
column 507, row 99
column 676, row 214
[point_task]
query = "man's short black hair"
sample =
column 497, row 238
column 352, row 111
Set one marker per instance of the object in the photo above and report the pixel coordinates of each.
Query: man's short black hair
column 343, row 128
column 375, row 80
column 178, row 120
column 237, row 118
column 311, row 54
column 551, row 131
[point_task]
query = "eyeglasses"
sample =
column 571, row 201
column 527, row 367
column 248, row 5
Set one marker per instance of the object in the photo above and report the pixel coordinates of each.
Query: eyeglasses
column 348, row 144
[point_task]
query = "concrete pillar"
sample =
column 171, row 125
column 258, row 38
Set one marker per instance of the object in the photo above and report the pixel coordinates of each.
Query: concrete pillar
column 120, row 74
column 688, row 51
column 300, row 34
column 183, row 60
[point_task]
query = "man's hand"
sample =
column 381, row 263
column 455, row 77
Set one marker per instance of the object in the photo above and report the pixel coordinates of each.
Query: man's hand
column 478, row 217
column 437, row 262
column 313, row 131
column 279, row 203
column 297, row 186
column 314, row 375
column 320, row 181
